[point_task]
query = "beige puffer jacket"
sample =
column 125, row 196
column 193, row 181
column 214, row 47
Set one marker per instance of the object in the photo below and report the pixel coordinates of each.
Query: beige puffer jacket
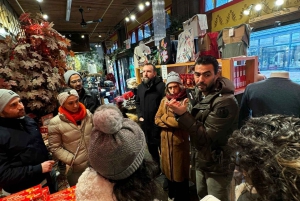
column 64, row 138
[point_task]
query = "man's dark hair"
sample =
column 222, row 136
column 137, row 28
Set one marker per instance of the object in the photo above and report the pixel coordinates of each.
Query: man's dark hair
column 268, row 153
column 204, row 60
column 150, row 64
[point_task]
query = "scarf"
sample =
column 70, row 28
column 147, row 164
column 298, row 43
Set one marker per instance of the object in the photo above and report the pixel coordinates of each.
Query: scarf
column 74, row 117
column 181, row 95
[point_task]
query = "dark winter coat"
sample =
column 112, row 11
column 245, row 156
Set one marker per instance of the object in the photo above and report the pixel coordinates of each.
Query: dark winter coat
column 22, row 151
column 147, row 103
column 210, row 123
column 175, row 160
column 89, row 100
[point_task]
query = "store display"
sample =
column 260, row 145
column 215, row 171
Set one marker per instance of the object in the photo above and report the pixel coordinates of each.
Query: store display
column 198, row 23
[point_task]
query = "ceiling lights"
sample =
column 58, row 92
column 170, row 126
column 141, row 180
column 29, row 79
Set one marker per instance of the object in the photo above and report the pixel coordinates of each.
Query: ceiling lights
column 141, row 7
column 258, row 7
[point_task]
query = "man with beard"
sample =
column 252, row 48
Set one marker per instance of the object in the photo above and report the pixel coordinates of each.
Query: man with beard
column 24, row 159
column 149, row 94
column 211, row 118
column 90, row 100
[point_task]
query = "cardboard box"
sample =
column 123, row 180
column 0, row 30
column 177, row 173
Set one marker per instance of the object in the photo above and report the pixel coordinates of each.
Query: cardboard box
column 198, row 23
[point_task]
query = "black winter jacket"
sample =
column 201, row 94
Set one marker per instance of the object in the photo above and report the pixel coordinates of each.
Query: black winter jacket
column 147, row 103
column 89, row 100
column 22, row 151
column 210, row 123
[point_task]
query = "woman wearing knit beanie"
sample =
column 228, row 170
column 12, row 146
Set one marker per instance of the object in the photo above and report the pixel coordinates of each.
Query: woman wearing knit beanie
column 69, row 134
column 174, row 142
column 118, row 169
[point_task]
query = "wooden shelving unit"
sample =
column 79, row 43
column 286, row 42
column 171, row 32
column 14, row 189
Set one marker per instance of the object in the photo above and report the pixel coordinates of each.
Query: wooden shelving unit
column 227, row 70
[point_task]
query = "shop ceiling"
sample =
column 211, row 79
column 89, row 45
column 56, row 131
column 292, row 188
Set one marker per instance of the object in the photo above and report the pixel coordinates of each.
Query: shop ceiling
column 109, row 13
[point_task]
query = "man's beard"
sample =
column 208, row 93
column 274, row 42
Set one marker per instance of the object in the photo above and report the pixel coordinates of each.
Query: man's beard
column 207, row 88
column 146, row 80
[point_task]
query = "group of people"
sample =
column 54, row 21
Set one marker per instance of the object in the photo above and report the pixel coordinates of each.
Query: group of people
column 105, row 152
column 102, row 148
column 203, row 122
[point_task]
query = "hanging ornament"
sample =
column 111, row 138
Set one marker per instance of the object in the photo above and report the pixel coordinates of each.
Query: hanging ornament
column 159, row 25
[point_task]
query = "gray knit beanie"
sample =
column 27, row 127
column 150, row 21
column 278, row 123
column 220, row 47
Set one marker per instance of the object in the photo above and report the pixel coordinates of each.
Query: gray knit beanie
column 117, row 144
column 68, row 74
column 173, row 77
column 5, row 97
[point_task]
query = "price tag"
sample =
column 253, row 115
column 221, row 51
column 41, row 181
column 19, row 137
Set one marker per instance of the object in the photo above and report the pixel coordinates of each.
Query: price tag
column 231, row 32
column 164, row 71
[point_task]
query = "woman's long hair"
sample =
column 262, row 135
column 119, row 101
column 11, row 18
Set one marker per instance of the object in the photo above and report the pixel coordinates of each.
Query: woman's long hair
column 269, row 155
column 139, row 186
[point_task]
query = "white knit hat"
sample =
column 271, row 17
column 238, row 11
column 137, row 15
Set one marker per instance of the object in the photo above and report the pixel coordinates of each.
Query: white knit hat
column 117, row 144
column 62, row 97
column 5, row 97
column 173, row 77
column 68, row 74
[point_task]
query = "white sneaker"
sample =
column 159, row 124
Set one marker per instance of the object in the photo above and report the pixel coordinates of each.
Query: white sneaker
column 169, row 199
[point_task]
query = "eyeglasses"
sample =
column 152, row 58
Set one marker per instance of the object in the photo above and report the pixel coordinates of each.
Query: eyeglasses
column 75, row 81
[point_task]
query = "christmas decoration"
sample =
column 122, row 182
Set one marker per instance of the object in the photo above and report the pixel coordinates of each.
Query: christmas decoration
column 33, row 63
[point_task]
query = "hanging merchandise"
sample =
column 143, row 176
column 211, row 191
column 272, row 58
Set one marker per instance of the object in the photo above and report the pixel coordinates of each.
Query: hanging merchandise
column 165, row 51
column 234, row 41
column 140, row 54
column 186, row 47
column 159, row 21
column 207, row 44
column 198, row 23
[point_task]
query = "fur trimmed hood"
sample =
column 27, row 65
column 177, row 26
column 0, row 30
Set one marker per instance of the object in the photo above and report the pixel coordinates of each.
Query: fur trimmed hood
column 93, row 187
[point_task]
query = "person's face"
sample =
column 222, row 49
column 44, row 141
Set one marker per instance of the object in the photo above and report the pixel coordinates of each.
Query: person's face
column 76, row 82
column 13, row 109
column 148, row 73
column 71, row 104
column 205, row 77
column 173, row 88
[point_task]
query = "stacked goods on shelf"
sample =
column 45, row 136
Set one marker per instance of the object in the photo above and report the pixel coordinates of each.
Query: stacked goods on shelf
column 187, row 80
column 240, row 76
